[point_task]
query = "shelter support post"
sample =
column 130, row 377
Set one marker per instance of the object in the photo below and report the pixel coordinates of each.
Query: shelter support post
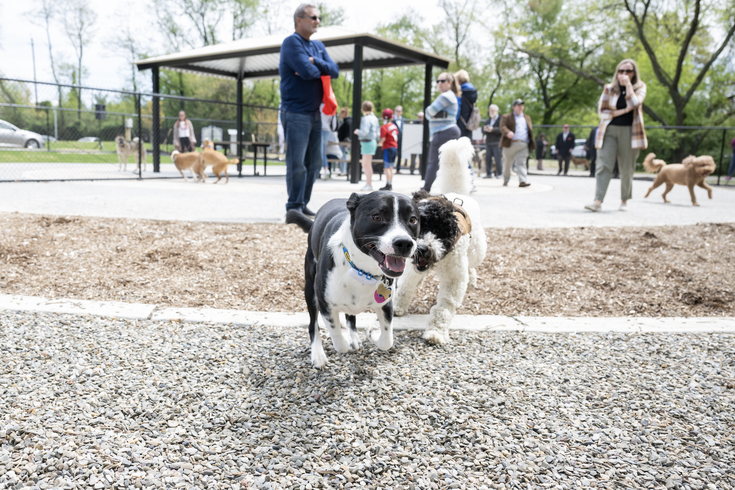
column 356, row 114
column 239, row 125
column 156, row 122
column 427, row 102
column 722, row 153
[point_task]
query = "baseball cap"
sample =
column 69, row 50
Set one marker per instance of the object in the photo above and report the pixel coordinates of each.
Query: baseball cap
column 387, row 113
column 518, row 102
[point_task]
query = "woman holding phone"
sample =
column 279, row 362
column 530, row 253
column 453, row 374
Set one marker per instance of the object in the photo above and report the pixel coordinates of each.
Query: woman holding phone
column 621, row 133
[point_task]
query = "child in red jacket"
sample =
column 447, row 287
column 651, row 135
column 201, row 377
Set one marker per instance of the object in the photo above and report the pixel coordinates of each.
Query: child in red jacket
column 389, row 142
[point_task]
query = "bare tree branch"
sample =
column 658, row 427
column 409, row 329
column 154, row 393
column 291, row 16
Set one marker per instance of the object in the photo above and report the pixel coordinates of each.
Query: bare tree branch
column 709, row 63
column 685, row 46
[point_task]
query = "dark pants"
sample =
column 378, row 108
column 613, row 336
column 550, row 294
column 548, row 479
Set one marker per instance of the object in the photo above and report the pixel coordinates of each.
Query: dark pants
column 493, row 152
column 185, row 145
column 415, row 157
column 399, row 158
column 303, row 135
column 731, row 170
column 565, row 159
column 592, row 155
column 432, row 165
column 466, row 133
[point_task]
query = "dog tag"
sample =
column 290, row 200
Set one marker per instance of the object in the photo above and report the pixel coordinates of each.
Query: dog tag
column 361, row 277
column 382, row 294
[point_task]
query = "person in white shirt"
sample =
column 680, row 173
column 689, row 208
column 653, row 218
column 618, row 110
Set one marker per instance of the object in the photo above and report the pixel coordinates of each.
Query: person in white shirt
column 516, row 142
column 184, row 137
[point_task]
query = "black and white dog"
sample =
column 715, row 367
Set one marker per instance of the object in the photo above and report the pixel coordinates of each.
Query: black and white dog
column 357, row 249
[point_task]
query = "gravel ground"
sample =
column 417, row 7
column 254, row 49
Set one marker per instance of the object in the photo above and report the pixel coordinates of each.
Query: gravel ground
column 653, row 271
column 88, row 402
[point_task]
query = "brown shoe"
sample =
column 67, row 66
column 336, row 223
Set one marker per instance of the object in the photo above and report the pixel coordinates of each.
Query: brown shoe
column 524, row 184
column 505, row 184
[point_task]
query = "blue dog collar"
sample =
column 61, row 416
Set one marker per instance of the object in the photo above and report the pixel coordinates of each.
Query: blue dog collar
column 357, row 273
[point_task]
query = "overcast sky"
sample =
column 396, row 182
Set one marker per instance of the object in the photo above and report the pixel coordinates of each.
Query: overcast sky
column 108, row 69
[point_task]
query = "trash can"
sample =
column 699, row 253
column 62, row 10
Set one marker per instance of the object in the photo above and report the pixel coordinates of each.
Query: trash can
column 233, row 138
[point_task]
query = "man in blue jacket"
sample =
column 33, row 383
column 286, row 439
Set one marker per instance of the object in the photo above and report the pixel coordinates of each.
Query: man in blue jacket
column 303, row 62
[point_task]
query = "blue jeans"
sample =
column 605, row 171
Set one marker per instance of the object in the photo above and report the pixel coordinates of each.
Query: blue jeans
column 325, row 142
column 303, row 134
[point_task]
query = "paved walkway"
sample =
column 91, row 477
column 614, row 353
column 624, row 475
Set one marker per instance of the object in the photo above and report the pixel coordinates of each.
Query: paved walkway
column 475, row 323
column 550, row 201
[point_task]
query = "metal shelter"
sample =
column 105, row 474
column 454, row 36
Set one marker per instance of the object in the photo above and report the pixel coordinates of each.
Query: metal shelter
column 258, row 58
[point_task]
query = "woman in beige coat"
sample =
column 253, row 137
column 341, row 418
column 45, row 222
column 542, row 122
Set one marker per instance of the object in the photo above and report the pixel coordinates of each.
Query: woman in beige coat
column 184, row 138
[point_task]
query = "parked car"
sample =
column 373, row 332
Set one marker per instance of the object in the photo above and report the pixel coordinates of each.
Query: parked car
column 88, row 139
column 11, row 135
column 577, row 151
column 48, row 138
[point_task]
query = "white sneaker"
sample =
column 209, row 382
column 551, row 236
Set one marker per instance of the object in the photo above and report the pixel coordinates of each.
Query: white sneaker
column 367, row 188
column 594, row 207
column 623, row 206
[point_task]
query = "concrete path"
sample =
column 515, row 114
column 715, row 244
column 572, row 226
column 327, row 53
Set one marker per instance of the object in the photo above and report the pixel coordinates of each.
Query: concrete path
column 550, row 201
column 479, row 323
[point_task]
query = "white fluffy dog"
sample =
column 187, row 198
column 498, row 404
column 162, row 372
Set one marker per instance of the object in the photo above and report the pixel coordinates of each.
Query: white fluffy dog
column 451, row 241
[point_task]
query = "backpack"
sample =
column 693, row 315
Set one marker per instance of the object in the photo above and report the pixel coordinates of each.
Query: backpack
column 473, row 122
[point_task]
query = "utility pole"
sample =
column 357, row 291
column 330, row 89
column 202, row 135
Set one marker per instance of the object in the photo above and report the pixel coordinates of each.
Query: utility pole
column 33, row 53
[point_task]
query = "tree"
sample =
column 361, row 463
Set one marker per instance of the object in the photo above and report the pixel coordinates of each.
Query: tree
column 42, row 16
column 79, row 20
column 245, row 14
column 330, row 16
column 461, row 16
column 676, row 42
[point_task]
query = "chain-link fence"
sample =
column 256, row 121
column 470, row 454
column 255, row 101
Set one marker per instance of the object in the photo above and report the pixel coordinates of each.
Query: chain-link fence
column 68, row 132
column 670, row 143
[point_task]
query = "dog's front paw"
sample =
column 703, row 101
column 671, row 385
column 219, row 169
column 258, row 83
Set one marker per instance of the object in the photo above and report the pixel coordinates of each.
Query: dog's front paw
column 382, row 339
column 354, row 341
column 399, row 311
column 695, row 204
column 436, row 337
column 318, row 358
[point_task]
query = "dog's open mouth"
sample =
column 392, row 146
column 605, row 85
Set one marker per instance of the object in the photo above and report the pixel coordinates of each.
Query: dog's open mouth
column 390, row 264
column 422, row 263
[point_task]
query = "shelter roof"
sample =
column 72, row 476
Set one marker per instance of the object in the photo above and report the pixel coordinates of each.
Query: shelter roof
column 258, row 57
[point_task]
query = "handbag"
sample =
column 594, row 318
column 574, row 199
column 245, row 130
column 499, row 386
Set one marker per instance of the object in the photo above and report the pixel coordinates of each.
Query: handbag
column 329, row 99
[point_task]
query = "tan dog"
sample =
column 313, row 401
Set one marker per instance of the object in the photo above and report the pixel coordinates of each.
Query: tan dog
column 692, row 171
column 217, row 160
column 127, row 148
column 581, row 161
column 192, row 161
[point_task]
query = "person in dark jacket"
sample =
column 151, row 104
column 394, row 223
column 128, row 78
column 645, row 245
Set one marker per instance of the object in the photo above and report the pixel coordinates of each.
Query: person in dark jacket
column 466, row 101
column 541, row 144
column 564, row 147
column 589, row 147
column 491, row 130
column 303, row 62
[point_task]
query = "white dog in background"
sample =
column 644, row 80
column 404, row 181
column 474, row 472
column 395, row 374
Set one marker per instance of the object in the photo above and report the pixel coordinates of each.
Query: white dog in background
column 451, row 241
column 127, row 148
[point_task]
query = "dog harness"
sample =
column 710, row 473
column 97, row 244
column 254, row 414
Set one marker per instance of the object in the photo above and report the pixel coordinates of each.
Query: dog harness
column 382, row 293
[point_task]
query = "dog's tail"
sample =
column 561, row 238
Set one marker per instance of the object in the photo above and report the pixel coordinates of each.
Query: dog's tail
column 652, row 165
column 454, row 166
column 233, row 161
column 296, row 217
column 136, row 139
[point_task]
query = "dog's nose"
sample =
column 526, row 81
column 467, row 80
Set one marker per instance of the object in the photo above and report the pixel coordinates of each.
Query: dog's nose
column 402, row 246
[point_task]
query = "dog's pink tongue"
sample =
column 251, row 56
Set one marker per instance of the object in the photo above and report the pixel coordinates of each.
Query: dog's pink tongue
column 396, row 264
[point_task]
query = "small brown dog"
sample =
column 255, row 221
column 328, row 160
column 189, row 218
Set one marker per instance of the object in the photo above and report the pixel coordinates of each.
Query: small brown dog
column 692, row 171
column 581, row 161
column 217, row 160
column 192, row 161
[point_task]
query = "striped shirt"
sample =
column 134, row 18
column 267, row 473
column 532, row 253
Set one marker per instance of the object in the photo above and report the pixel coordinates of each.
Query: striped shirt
column 446, row 102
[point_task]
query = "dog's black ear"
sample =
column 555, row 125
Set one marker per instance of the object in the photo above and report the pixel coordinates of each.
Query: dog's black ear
column 353, row 202
column 420, row 195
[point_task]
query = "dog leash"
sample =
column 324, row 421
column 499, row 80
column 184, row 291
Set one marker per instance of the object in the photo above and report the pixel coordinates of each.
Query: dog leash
column 382, row 293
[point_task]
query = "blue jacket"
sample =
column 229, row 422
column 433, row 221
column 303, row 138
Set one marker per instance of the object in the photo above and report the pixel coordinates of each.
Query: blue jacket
column 303, row 93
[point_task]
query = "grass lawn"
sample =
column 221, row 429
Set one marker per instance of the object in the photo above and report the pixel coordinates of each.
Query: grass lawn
column 44, row 156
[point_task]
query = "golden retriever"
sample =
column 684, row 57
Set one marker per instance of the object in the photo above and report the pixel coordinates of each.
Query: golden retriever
column 217, row 160
column 692, row 171
column 192, row 161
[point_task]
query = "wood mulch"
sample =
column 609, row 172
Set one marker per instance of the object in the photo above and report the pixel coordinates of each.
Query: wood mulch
column 654, row 271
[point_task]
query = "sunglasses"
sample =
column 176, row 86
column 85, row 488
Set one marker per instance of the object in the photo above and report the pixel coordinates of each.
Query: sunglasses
column 627, row 72
column 312, row 17
column 441, row 80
